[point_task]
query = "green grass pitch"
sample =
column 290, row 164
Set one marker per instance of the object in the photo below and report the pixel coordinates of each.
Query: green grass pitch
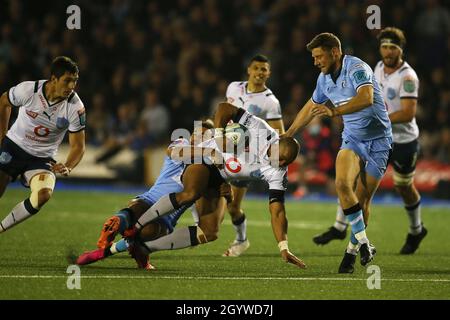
column 33, row 260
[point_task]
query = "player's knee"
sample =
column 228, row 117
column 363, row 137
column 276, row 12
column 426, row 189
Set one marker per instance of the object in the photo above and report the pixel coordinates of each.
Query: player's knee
column 41, row 187
column 210, row 230
column 405, row 189
column 403, row 181
column 43, row 196
column 343, row 186
column 211, row 234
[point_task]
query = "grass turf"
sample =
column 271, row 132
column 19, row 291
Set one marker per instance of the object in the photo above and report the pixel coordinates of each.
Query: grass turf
column 33, row 255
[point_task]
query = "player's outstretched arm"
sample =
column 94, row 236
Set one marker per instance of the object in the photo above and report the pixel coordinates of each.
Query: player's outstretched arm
column 302, row 119
column 5, row 113
column 76, row 152
column 279, row 227
column 362, row 100
column 277, row 125
column 193, row 154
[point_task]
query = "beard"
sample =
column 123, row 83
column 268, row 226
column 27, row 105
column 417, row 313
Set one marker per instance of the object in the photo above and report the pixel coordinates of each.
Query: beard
column 391, row 62
column 332, row 68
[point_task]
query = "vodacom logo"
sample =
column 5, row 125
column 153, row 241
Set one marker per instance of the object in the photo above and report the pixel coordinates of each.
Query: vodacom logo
column 233, row 165
column 41, row 131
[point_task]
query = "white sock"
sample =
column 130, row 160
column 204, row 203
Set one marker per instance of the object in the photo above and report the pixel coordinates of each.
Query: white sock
column 22, row 211
column 352, row 248
column 240, row 227
column 362, row 237
column 415, row 222
column 162, row 207
column 195, row 215
column 180, row 238
column 341, row 220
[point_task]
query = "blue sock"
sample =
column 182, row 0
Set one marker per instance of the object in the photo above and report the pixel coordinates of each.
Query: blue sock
column 356, row 219
column 121, row 245
column 353, row 239
column 357, row 222
column 125, row 219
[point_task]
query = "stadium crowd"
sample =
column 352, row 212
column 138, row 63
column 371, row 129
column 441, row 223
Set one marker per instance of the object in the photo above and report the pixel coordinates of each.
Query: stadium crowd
column 148, row 67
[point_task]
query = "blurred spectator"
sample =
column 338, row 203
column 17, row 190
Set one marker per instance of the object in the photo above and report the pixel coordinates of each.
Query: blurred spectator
column 154, row 119
column 317, row 155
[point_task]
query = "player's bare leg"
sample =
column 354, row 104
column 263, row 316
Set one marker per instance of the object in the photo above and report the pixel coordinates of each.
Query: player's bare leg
column 239, row 221
column 41, row 186
column 348, row 168
column 411, row 198
column 211, row 212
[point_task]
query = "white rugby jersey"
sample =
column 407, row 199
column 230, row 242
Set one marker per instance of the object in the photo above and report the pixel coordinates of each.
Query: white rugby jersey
column 403, row 83
column 254, row 164
column 40, row 126
column 262, row 104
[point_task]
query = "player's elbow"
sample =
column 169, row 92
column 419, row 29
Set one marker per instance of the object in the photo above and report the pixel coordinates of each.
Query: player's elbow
column 409, row 116
column 4, row 102
column 365, row 95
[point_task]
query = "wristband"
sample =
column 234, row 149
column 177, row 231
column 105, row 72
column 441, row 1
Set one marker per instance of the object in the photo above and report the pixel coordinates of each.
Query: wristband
column 283, row 245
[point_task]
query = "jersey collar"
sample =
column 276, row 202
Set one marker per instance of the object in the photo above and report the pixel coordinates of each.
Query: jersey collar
column 45, row 97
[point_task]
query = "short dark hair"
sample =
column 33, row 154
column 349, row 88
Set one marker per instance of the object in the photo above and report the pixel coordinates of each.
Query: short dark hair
column 259, row 58
column 208, row 124
column 291, row 148
column 61, row 65
column 325, row 40
column 395, row 34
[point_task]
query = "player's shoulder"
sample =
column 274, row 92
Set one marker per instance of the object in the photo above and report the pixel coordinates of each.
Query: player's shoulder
column 406, row 71
column 74, row 100
column 353, row 63
column 237, row 85
column 321, row 78
column 270, row 96
column 29, row 86
column 379, row 66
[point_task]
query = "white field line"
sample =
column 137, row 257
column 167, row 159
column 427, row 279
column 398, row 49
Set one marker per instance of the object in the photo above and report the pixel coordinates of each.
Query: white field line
column 187, row 219
column 153, row 277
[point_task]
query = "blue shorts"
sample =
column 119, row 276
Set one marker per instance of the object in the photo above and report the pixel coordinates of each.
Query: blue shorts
column 374, row 153
column 169, row 220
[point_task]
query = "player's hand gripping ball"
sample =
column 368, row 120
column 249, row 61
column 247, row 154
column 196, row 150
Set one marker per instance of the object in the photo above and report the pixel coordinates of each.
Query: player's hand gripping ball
column 237, row 134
